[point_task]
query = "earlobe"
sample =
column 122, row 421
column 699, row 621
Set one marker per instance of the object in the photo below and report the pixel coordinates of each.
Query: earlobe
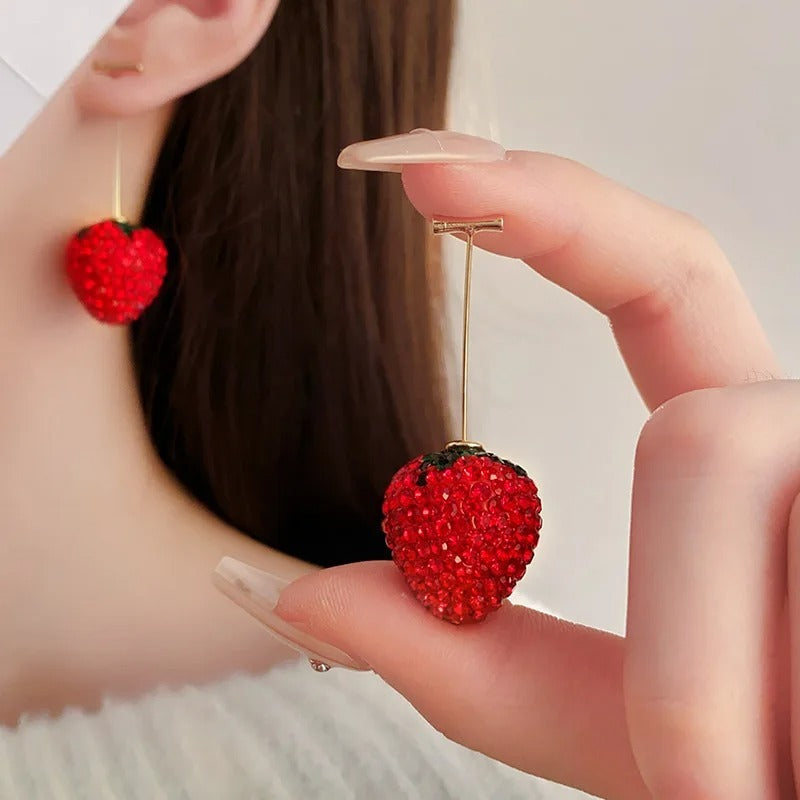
column 141, row 9
column 181, row 46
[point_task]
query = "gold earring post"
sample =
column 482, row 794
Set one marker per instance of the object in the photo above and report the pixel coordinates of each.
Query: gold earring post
column 117, row 69
column 469, row 228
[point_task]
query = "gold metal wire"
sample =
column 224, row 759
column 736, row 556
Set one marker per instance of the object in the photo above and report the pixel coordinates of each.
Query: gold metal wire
column 469, row 229
column 117, row 197
column 118, row 69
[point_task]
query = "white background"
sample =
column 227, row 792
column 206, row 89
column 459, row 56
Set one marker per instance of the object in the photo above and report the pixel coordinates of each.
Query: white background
column 41, row 42
column 693, row 102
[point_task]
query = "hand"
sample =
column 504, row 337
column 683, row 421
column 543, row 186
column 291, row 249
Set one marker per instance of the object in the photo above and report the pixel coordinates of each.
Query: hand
column 694, row 702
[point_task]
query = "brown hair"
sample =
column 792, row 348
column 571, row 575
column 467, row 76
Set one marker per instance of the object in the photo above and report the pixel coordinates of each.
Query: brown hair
column 291, row 362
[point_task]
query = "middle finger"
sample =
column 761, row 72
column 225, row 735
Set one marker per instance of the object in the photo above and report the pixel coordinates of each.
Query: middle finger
column 716, row 474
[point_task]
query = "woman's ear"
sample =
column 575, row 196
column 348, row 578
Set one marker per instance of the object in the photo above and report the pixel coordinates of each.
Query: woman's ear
column 179, row 44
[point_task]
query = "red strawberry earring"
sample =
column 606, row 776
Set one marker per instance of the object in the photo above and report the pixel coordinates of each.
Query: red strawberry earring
column 462, row 523
column 116, row 269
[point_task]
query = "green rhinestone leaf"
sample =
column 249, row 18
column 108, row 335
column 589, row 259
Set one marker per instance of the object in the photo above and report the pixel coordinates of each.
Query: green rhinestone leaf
column 447, row 457
column 125, row 227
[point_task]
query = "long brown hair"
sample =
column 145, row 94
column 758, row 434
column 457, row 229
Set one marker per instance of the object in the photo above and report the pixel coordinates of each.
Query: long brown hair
column 291, row 362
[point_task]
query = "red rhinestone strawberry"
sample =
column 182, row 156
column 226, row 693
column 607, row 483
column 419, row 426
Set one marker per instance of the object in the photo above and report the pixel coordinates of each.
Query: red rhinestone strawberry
column 462, row 525
column 116, row 269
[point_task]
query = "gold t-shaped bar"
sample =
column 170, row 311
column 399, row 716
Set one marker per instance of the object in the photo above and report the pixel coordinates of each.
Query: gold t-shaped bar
column 469, row 228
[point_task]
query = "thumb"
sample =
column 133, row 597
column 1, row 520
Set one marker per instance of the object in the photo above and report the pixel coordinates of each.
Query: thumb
column 525, row 688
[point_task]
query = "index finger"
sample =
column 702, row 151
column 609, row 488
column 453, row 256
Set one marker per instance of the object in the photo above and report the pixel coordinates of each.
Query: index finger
column 681, row 319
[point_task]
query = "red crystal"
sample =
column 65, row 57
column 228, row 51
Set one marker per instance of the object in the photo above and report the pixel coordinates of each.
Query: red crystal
column 462, row 525
column 116, row 270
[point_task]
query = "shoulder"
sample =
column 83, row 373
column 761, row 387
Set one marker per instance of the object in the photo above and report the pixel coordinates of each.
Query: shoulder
column 289, row 734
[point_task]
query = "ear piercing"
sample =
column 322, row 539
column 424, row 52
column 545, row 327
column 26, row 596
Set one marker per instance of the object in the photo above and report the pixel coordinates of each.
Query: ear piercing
column 115, row 268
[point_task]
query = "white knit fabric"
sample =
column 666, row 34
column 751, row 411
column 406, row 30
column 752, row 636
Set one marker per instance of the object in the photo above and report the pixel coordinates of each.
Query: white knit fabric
column 289, row 735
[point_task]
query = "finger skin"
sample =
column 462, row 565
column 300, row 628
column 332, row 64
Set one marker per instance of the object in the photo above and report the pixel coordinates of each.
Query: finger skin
column 716, row 474
column 698, row 678
column 794, row 636
column 536, row 692
column 680, row 317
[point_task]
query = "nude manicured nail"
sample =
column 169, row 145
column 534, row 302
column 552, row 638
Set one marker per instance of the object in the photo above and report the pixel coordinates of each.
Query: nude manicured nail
column 421, row 146
column 257, row 592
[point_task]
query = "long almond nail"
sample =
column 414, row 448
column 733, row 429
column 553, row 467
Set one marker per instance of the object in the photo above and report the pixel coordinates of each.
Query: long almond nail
column 257, row 592
column 421, row 146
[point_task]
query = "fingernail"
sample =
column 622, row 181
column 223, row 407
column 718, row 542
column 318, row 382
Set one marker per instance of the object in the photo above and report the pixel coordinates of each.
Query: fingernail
column 257, row 592
column 421, row 146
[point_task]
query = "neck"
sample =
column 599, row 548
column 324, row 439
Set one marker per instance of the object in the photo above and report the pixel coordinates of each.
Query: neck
column 74, row 443
column 104, row 560
column 75, row 450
